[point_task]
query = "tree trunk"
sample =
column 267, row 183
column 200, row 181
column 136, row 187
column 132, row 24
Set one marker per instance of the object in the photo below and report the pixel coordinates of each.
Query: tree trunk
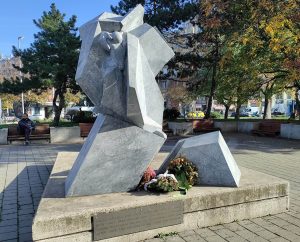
column 212, row 92
column 154, row 7
column 226, row 111
column 297, row 108
column 237, row 112
column 266, row 106
column 57, row 109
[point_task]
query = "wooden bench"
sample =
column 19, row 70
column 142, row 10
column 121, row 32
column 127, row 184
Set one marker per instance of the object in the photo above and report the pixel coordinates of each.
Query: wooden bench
column 85, row 129
column 267, row 128
column 204, row 126
column 41, row 131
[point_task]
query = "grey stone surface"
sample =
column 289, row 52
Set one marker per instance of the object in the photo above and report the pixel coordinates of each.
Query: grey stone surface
column 246, row 127
column 112, row 159
column 258, row 195
column 3, row 136
column 290, row 131
column 210, row 153
column 65, row 135
column 118, row 64
column 226, row 126
column 117, row 67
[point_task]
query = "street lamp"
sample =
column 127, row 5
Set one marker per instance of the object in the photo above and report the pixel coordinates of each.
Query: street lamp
column 19, row 47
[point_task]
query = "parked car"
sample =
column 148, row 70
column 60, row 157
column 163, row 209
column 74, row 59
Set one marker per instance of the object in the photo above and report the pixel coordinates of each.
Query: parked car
column 242, row 114
column 276, row 111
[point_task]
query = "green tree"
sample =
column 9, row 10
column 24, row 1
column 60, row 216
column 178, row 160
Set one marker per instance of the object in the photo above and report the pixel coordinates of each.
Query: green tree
column 200, row 61
column 164, row 14
column 51, row 60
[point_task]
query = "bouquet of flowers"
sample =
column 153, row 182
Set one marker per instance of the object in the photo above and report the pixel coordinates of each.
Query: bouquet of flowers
column 182, row 174
column 163, row 184
column 148, row 175
column 185, row 172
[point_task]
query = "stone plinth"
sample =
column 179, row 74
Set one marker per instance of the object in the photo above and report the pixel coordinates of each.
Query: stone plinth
column 70, row 219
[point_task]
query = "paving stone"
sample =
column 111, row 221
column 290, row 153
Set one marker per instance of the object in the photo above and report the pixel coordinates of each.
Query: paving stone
column 236, row 239
column 279, row 239
column 225, row 233
column 25, row 230
column 215, row 238
column 187, row 233
column 266, row 234
column 205, row 232
column 9, row 235
column 234, row 227
column 193, row 238
column 10, row 228
column 4, row 223
column 25, row 237
column 154, row 240
column 174, row 239
column 217, row 227
column 277, row 230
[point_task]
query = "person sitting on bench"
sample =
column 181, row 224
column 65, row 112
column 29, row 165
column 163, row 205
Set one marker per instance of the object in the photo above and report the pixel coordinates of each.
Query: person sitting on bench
column 25, row 125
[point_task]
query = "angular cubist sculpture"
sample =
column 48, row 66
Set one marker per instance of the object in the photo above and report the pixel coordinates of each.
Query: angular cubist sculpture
column 119, row 59
column 210, row 153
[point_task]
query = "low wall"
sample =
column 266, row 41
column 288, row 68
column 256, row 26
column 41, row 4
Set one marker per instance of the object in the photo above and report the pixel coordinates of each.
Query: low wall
column 68, row 135
column 290, row 131
column 181, row 128
column 3, row 136
column 246, row 127
column 226, row 126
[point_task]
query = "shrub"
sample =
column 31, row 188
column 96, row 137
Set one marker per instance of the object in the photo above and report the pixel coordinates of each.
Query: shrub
column 171, row 114
column 216, row 115
column 84, row 117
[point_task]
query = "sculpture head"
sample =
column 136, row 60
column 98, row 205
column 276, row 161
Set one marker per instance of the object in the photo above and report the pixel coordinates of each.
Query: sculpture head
column 119, row 59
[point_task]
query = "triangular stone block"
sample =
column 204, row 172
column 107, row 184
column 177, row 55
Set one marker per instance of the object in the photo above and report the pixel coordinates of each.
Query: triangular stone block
column 112, row 159
column 210, row 153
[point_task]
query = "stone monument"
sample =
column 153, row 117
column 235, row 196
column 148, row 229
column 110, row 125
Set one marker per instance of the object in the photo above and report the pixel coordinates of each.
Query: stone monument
column 210, row 153
column 119, row 59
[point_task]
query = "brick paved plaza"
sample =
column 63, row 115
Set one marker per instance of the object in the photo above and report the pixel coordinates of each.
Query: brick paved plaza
column 24, row 171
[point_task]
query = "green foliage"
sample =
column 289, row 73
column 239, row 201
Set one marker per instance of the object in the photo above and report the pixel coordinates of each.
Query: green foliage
column 51, row 59
column 164, row 235
column 83, row 117
column 216, row 115
column 165, row 15
column 185, row 172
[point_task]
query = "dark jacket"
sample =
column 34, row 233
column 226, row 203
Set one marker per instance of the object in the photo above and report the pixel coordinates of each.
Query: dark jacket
column 26, row 123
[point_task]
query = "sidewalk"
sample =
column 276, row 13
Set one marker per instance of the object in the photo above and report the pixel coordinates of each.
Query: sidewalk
column 24, row 171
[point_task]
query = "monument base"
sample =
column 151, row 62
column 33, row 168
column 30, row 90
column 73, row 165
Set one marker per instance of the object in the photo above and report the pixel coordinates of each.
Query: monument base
column 139, row 215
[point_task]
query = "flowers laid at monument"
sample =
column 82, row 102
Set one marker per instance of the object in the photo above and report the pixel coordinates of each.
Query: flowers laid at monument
column 181, row 174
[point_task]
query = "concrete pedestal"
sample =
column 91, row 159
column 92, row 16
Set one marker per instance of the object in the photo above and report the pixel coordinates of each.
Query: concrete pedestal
column 83, row 218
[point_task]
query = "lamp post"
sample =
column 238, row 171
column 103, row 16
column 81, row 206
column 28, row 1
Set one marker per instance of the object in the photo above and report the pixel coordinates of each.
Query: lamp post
column 22, row 95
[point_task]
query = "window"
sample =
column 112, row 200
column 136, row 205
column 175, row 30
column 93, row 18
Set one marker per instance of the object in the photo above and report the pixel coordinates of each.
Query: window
column 37, row 111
